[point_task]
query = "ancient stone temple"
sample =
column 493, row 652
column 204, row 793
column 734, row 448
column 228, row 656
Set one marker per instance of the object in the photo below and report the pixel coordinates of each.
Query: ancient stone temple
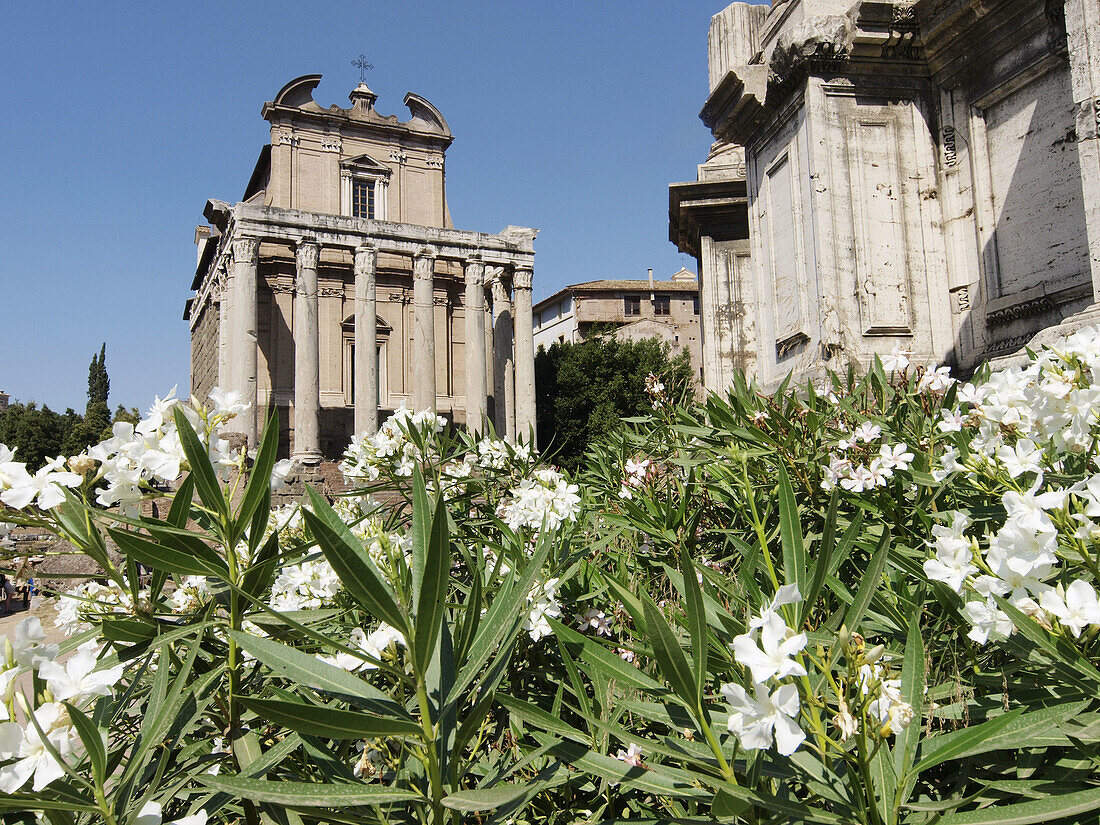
column 337, row 288
column 918, row 173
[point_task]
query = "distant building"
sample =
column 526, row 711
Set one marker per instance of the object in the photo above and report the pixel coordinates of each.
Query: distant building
column 3, row 401
column 636, row 308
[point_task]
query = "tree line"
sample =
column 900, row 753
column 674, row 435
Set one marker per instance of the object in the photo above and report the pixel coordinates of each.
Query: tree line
column 38, row 434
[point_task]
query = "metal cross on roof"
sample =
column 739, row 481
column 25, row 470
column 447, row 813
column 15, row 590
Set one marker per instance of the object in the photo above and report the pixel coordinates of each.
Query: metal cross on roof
column 363, row 66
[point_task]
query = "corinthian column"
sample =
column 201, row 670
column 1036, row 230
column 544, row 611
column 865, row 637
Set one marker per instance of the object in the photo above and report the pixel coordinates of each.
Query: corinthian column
column 243, row 364
column 424, row 329
column 475, row 345
column 504, row 377
column 525, row 356
column 307, row 363
column 366, row 341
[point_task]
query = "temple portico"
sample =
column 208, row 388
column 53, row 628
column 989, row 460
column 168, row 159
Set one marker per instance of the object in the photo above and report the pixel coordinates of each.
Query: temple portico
column 496, row 273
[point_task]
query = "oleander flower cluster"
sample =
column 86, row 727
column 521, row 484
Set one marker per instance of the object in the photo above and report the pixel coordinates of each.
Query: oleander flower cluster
column 1030, row 433
column 397, row 447
column 38, row 734
column 129, row 464
column 546, row 499
column 863, row 461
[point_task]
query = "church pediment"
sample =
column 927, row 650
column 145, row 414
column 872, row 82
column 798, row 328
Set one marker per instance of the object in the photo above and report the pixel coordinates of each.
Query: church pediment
column 365, row 163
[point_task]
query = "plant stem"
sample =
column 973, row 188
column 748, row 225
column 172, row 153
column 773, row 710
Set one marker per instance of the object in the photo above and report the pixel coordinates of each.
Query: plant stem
column 434, row 774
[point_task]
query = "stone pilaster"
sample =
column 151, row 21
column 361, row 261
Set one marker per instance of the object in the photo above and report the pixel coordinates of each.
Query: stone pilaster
column 475, row 345
column 524, row 355
column 243, row 363
column 307, row 364
column 424, row 329
column 1083, row 38
column 366, row 341
column 504, row 391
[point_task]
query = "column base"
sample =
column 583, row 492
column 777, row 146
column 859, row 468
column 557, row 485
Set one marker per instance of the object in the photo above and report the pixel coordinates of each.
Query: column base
column 310, row 458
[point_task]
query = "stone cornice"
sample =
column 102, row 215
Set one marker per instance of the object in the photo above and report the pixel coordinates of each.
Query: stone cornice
column 875, row 37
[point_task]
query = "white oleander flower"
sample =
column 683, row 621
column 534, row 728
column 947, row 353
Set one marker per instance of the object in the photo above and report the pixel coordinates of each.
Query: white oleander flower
column 631, row 756
column 25, row 744
column 759, row 720
column 773, row 656
column 595, row 619
column 1076, row 607
column 27, row 644
column 78, row 678
column 988, row 621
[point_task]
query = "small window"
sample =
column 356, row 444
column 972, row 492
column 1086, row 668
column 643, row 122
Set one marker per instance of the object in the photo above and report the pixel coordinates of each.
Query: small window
column 694, row 304
column 662, row 305
column 362, row 199
column 632, row 305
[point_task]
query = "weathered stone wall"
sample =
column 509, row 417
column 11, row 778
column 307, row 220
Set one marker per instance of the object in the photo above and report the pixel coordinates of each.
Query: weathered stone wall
column 204, row 352
column 917, row 173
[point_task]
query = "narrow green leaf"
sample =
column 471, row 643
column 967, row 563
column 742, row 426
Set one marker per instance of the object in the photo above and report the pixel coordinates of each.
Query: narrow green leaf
column 790, row 534
column 697, row 619
column 308, row 794
column 912, row 687
column 166, row 558
column 257, row 578
column 206, row 480
column 93, row 739
column 259, row 477
column 421, row 531
column 599, row 656
column 872, row 579
column 329, row 722
column 306, row 669
column 669, row 655
column 181, row 503
column 432, row 599
column 352, row 564
column 825, row 549
column 935, row 752
column 1025, row 813
column 488, row 799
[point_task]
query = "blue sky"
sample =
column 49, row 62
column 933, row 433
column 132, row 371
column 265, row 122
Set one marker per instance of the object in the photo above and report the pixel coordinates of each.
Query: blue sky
column 122, row 119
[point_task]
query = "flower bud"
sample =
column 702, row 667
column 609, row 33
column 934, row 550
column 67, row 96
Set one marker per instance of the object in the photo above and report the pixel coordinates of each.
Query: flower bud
column 843, row 636
column 874, row 654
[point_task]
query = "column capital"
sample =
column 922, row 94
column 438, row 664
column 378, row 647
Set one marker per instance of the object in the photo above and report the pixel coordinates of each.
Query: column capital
column 365, row 258
column 521, row 278
column 424, row 263
column 307, row 254
column 245, row 249
column 474, row 271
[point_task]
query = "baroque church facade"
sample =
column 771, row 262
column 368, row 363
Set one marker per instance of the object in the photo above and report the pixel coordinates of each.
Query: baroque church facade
column 922, row 174
column 337, row 289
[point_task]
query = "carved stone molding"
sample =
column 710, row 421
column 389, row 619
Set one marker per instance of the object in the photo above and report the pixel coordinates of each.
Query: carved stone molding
column 1008, row 344
column 331, row 144
column 288, row 138
column 332, row 292
column 950, row 148
column 815, row 46
column 962, row 299
column 1027, row 309
column 434, row 163
column 397, row 156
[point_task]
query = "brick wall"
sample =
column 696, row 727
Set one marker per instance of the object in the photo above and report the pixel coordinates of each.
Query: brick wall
column 204, row 352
